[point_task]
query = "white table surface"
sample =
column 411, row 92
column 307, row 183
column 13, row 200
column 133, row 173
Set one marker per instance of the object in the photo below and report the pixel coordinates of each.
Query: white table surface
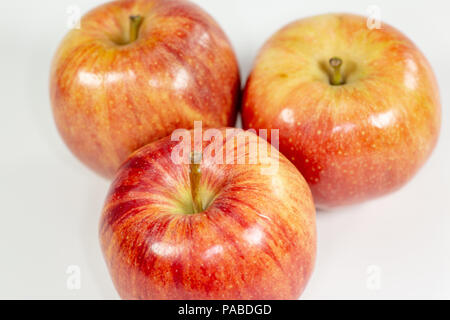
column 51, row 203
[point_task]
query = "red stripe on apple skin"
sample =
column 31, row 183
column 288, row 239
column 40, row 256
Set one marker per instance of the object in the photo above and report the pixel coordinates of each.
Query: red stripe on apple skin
column 280, row 226
column 110, row 99
column 255, row 241
column 120, row 211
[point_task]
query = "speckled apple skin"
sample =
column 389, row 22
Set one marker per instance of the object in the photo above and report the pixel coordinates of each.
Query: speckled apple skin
column 110, row 99
column 257, row 240
column 356, row 141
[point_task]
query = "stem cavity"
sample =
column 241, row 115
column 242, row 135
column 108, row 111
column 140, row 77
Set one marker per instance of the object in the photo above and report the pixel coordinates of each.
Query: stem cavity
column 195, row 175
column 336, row 78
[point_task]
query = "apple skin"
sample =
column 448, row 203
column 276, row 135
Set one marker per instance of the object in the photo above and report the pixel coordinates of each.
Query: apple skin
column 256, row 240
column 110, row 98
column 351, row 142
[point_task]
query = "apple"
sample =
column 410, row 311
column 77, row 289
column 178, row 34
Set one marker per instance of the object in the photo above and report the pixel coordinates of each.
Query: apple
column 135, row 71
column 209, row 229
column 358, row 109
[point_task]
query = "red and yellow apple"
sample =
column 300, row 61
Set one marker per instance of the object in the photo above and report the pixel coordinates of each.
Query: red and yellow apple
column 358, row 109
column 209, row 229
column 135, row 71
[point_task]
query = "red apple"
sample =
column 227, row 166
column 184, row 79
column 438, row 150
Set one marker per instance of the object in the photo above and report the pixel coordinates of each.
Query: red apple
column 358, row 109
column 212, row 230
column 135, row 71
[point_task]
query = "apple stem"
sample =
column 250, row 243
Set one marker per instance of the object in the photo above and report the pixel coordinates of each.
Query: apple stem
column 336, row 78
column 195, row 175
column 135, row 23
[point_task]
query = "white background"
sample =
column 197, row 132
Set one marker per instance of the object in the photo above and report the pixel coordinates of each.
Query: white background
column 50, row 203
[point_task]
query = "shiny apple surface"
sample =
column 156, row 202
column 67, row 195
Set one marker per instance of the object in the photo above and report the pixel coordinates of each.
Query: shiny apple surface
column 256, row 238
column 112, row 95
column 356, row 141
